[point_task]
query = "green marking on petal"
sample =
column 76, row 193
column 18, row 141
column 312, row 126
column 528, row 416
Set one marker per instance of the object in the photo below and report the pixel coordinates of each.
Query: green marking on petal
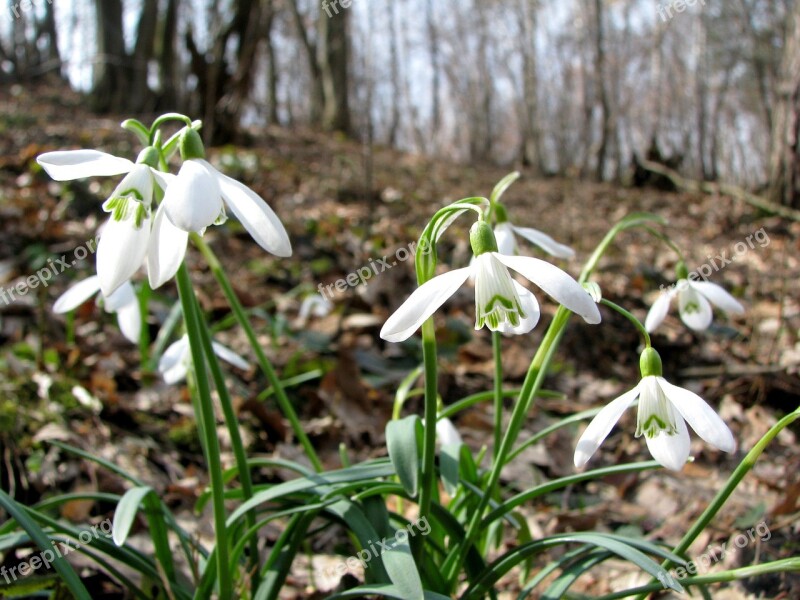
column 691, row 307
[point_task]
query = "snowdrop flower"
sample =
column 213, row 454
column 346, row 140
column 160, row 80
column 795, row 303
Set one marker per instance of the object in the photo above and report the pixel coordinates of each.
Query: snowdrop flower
column 663, row 411
column 447, row 433
column 694, row 302
column 505, row 233
column 195, row 200
column 123, row 302
column 500, row 302
column 131, row 234
column 177, row 358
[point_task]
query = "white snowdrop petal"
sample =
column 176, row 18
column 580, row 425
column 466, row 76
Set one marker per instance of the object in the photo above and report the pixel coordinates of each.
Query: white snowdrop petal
column 694, row 309
column 122, row 296
column 67, row 165
column 77, row 294
column 129, row 318
column 447, row 433
column 230, row 356
column 504, row 235
column 256, row 216
column 545, row 242
column 670, row 450
column 703, row 419
column 558, row 284
column 530, row 307
column 172, row 364
column 193, row 200
column 658, row 312
column 120, row 252
column 601, row 426
column 167, row 249
column 420, row 305
column 718, row 296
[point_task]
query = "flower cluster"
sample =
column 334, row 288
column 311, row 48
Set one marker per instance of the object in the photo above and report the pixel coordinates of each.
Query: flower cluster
column 141, row 232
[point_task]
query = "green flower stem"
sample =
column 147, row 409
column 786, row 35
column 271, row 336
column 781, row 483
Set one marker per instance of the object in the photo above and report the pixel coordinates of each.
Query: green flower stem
column 497, row 350
column 237, row 445
column 429, row 441
column 630, row 317
column 784, row 565
column 208, row 431
column 238, row 311
column 144, row 331
column 736, row 477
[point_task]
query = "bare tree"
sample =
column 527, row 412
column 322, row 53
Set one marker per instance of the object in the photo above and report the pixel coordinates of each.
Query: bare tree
column 785, row 154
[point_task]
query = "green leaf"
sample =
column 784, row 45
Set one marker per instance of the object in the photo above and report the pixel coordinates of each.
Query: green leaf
column 386, row 591
column 502, row 186
column 41, row 539
column 126, row 511
column 402, row 569
column 404, row 440
column 623, row 549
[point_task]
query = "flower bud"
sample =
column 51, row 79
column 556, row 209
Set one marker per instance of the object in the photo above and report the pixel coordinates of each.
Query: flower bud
column 148, row 156
column 481, row 238
column 191, row 145
column 650, row 363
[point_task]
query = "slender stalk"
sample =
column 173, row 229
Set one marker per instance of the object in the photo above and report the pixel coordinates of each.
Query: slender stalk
column 266, row 366
column 429, row 440
column 784, row 565
column 630, row 317
column 236, row 439
column 497, row 351
column 736, row 477
column 207, row 430
column 144, row 331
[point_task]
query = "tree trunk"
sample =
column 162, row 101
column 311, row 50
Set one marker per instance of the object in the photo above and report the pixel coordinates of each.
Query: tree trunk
column 333, row 57
column 605, row 108
column 531, row 149
column 167, row 59
column 111, row 73
column 785, row 154
column 272, row 64
column 139, row 94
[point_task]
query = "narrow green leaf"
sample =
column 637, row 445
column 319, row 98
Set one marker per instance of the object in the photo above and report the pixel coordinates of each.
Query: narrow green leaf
column 402, row 569
column 41, row 539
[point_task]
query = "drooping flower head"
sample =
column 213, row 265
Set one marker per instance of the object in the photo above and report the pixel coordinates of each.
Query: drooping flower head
column 177, row 359
column 694, row 302
column 501, row 303
column 198, row 197
column 122, row 301
column 131, row 234
column 663, row 412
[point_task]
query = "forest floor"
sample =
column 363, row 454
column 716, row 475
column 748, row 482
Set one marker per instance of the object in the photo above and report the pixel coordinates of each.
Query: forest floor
column 342, row 209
